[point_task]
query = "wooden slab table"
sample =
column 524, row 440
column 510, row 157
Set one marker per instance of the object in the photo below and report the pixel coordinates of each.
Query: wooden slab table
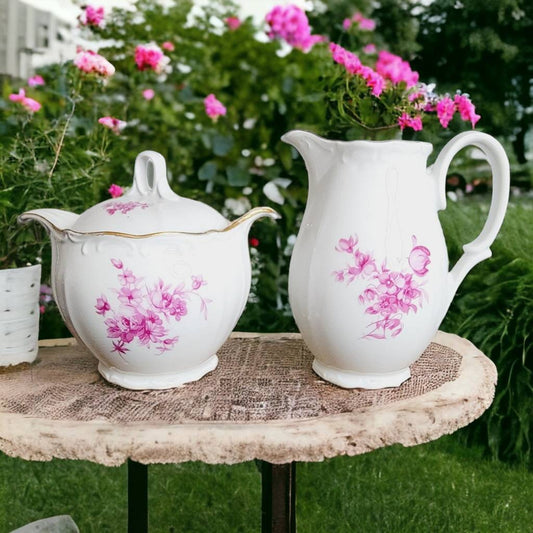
column 263, row 402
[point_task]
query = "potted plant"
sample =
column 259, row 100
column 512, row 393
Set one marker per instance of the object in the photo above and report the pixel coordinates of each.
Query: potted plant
column 47, row 157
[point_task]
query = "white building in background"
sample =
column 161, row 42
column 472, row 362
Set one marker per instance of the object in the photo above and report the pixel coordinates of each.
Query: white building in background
column 32, row 34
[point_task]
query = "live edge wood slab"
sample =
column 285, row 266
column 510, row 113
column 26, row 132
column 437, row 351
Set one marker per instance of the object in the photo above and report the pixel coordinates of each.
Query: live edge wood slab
column 262, row 402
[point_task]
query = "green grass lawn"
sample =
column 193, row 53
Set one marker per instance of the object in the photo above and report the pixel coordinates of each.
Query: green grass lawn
column 434, row 487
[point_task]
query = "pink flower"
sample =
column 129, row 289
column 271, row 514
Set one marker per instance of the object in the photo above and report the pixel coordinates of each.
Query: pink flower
column 368, row 295
column 339, row 275
column 364, row 23
column 117, row 263
column 179, row 308
column 35, row 81
column 352, row 63
column 92, row 16
column 127, row 277
column 445, row 111
column 466, row 108
column 345, row 58
column 114, row 124
column 213, row 107
column 130, row 296
column 115, row 190
column 121, row 328
column 406, row 121
column 170, row 302
column 369, row 49
column 419, row 258
column 167, row 45
column 118, row 346
column 373, row 79
column 91, row 62
column 167, row 345
column 347, row 245
column 149, row 327
column 150, row 57
column 197, row 282
column 29, row 103
column 233, row 23
column 102, row 305
column 394, row 68
column 364, row 266
column 290, row 23
column 386, row 305
column 148, row 94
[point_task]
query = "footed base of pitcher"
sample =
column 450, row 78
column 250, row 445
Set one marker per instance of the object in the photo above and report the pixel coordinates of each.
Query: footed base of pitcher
column 360, row 380
column 137, row 381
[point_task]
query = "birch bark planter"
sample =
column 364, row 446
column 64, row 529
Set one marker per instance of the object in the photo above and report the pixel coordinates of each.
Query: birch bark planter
column 19, row 314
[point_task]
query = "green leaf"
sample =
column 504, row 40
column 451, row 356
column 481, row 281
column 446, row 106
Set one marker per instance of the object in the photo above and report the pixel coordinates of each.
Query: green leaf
column 4, row 197
column 367, row 112
column 208, row 171
column 285, row 156
column 222, row 144
column 237, row 176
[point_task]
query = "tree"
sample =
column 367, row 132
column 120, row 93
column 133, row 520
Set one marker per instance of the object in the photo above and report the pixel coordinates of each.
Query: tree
column 485, row 47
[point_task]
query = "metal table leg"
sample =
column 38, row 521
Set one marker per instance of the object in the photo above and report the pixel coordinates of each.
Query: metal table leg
column 137, row 497
column 278, row 509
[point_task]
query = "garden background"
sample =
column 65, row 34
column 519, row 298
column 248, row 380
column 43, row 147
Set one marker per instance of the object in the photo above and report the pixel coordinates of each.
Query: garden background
column 65, row 156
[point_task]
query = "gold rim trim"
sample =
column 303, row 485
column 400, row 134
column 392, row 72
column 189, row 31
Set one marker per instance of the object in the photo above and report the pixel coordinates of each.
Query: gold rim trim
column 253, row 213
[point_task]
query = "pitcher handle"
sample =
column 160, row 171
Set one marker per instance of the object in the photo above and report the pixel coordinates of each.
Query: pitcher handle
column 479, row 249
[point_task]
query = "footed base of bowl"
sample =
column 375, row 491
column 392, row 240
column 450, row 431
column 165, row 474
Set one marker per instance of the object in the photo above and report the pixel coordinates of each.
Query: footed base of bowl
column 352, row 380
column 131, row 380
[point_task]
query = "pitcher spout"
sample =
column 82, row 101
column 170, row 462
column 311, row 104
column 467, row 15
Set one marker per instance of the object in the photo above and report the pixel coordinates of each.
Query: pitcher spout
column 56, row 221
column 318, row 153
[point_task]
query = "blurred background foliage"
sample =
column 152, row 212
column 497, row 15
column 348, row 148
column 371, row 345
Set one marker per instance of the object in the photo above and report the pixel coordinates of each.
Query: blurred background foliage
column 481, row 47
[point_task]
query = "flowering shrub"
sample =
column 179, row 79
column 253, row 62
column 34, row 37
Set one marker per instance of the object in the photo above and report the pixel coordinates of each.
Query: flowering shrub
column 213, row 107
column 92, row 16
column 115, row 190
column 92, row 63
column 29, row 103
column 290, row 24
column 114, row 124
column 35, row 81
column 151, row 57
column 233, row 22
column 361, row 22
column 379, row 100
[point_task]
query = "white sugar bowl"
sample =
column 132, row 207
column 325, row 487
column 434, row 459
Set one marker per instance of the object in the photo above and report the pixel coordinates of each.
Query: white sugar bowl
column 151, row 283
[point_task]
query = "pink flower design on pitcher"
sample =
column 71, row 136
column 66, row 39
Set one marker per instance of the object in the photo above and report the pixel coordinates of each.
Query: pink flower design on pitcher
column 419, row 258
column 144, row 311
column 390, row 294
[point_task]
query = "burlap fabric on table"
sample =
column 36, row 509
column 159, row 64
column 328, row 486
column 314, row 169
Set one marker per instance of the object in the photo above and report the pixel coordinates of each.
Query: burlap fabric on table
column 257, row 379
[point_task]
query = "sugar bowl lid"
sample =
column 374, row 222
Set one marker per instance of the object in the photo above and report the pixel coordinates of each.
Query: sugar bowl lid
column 150, row 206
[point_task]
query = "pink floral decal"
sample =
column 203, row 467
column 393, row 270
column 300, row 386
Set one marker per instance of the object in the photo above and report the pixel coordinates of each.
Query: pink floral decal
column 389, row 294
column 124, row 207
column 144, row 312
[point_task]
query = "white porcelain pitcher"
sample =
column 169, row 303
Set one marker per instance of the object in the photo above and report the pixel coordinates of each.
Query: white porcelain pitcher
column 369, row 281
